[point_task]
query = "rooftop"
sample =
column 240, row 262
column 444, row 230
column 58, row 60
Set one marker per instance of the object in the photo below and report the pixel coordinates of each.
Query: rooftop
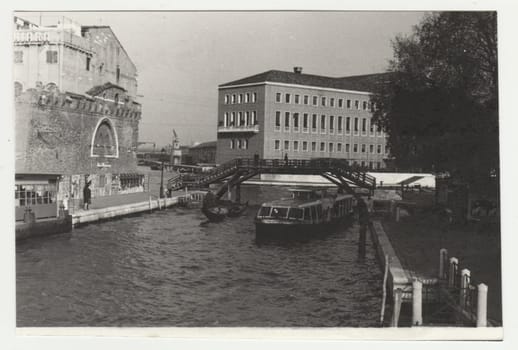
column 205, row 144
column 365, row 82
column 98, row 89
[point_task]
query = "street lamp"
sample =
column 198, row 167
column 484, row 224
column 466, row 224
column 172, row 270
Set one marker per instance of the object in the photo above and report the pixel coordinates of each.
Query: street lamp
column 162, row 154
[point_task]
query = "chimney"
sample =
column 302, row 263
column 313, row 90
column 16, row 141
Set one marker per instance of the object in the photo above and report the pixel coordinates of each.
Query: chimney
column 297, row 70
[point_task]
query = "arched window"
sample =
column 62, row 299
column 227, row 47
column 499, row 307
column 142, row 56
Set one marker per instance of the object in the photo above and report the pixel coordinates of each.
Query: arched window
column 105, row 142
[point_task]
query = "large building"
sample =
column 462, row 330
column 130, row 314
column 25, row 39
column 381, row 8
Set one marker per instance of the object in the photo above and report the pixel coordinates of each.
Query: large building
column 69, row 56
column 76, row 115
column 277, row 114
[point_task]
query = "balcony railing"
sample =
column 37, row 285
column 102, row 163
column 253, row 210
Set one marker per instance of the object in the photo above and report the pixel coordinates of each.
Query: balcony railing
column 53, row 36
column 241, row 128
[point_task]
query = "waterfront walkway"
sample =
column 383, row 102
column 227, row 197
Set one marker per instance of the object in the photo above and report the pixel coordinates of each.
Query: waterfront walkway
column 103, row 208
column 122, row 199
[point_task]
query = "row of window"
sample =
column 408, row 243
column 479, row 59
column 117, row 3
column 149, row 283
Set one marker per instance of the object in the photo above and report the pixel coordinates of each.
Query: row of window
column 324, row 101
column 240, row 118
column 329, row 147
column 238, row 144
column 294, row 120
column 52, row 58
column 248, row 97
column 29, row 195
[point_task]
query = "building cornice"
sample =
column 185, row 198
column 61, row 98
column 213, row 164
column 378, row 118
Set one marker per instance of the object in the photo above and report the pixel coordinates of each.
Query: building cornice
column 295, row 86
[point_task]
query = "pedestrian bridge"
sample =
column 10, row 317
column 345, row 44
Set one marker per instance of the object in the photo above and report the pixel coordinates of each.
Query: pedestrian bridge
column 234, row 172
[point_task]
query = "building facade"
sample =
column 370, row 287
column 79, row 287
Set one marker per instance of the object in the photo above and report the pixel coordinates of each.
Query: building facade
column 277, row 114
column 71, row 57
column 204, row 153
column 74, row 122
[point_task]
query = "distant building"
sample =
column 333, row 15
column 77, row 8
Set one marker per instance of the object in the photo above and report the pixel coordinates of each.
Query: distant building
column 176, row 152
column 186, row 157
column 277, row 114
column 76, row 115
column 203, row 153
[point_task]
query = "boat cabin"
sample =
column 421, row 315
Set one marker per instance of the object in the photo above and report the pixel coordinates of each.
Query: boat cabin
column 308, row 206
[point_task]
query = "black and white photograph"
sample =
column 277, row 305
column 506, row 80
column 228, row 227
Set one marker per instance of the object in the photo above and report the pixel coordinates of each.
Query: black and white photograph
column 277, row 170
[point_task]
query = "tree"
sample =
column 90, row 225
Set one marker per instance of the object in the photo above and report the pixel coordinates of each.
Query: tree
column 439, row 101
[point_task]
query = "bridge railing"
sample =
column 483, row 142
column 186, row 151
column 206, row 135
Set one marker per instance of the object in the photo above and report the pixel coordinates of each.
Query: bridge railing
column 339, row 166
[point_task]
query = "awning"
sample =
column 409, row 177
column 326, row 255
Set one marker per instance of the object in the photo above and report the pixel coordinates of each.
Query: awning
column 410, row 180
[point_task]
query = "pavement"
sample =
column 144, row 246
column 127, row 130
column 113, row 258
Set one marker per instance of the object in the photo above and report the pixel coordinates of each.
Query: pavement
column 122, row 199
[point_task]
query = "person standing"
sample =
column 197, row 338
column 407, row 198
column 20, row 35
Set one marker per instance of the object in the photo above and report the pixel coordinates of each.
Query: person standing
column 87, row 195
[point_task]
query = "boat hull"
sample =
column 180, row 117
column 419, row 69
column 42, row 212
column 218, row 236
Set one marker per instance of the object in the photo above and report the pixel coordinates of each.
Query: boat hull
column 215, row 214
column 266, row 229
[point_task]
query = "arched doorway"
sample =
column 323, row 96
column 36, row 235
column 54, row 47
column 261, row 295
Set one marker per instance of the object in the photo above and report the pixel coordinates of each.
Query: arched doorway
column 105, row 142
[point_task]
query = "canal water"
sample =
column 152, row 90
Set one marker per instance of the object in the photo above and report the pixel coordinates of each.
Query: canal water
column 165, row 269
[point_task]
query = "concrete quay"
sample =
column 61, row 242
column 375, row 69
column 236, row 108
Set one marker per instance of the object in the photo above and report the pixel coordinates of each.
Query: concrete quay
column 119, row 206
column 398, row 277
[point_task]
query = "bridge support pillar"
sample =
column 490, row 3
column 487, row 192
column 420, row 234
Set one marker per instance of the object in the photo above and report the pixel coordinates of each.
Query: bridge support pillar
column 238, row 193
column 362, row 242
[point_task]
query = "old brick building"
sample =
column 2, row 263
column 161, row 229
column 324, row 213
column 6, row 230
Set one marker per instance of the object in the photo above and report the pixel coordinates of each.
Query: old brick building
column 70, row 57
column 76, row 117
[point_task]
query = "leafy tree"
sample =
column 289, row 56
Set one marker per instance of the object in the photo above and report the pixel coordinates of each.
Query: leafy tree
column 439, row 101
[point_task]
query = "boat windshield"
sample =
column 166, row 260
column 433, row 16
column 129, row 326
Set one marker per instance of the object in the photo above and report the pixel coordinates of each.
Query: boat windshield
column 264, row 211
column 295, row 213
column 279, row 212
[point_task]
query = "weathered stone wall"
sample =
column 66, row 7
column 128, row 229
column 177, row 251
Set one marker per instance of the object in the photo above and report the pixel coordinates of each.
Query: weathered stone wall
column 59, row 131
column 54, row 134
column 110, row 54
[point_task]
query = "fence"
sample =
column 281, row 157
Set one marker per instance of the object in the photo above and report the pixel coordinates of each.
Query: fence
column 456, row 289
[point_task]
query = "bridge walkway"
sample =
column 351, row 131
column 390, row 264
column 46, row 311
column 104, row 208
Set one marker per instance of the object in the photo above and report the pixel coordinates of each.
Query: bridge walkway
column 238, row 170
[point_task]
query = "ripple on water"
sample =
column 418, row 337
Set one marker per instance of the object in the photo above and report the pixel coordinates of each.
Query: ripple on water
column 164, row 269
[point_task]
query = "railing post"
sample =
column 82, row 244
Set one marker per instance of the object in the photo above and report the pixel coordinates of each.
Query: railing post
column 464, row 286
column 482, row 305
column 452, row 271
column 417, row 303
column 443, row 260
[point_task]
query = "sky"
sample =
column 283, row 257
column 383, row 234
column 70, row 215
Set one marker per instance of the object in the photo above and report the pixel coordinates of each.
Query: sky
column 182, row 57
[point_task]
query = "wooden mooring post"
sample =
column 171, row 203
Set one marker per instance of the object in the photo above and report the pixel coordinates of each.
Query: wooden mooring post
column 454, row 263
column 362, row 242
column 443, row 261
column 464, row 287
column 463, row 283
column 417, row 303
column 238, row 193
column 482, row 305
